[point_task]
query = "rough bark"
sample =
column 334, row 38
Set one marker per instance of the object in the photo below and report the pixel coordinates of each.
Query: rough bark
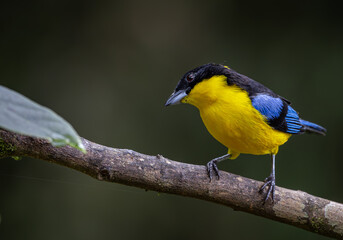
column 160, row 174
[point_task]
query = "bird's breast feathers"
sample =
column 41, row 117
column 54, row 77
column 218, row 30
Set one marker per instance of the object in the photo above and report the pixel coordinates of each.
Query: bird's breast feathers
column 229, row 115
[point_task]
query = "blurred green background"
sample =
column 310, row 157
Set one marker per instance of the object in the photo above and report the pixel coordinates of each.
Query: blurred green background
column 108, row 67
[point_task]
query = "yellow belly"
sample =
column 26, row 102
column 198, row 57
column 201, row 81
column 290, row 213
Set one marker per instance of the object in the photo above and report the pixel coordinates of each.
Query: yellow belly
column 229, row 116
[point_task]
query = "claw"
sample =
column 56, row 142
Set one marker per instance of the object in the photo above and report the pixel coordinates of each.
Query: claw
column 270, row 182
column 212, row 166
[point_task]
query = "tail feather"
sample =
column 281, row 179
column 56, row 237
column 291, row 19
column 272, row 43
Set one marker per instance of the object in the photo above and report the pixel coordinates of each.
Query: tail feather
column 312, row 127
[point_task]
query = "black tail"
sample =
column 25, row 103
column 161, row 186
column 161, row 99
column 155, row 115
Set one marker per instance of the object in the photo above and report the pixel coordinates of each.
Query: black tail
column 312, row 127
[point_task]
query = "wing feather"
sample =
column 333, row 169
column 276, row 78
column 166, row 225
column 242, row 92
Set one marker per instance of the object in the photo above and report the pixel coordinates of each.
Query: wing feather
column 278, row 113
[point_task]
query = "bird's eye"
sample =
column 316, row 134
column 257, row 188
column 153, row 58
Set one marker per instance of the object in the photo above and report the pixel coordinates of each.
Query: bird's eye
column 190, row 77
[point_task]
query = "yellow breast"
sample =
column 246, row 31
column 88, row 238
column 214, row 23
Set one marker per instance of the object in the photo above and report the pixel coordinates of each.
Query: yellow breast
column 229, row 116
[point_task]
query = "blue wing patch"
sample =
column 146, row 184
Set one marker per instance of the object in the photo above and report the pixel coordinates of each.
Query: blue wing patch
column 273, row 109
column 268, row 106
column 293, row 122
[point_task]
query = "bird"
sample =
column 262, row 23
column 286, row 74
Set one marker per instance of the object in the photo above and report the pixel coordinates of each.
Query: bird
column 242, row 114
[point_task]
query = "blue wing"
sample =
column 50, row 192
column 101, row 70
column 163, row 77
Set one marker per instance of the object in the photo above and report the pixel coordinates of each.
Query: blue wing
column 293, row 121
column 278, row 113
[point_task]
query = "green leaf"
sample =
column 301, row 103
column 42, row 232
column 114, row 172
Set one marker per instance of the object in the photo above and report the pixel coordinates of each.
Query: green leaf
column 21, row 115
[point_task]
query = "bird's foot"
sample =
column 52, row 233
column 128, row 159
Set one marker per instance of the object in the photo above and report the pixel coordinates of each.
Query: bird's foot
column 212, row 166
column 270, row 182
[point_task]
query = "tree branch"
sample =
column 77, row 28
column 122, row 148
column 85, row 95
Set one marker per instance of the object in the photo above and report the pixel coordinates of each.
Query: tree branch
column 160, row 174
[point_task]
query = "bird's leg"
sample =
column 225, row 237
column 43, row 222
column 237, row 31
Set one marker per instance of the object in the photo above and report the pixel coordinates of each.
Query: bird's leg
column 270, row 181
column 212, row 165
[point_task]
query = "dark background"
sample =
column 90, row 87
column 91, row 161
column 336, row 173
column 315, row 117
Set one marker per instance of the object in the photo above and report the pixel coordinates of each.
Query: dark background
column 108, row 67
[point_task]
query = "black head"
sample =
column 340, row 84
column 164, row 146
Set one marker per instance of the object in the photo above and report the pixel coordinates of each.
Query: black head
column 192, row 77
